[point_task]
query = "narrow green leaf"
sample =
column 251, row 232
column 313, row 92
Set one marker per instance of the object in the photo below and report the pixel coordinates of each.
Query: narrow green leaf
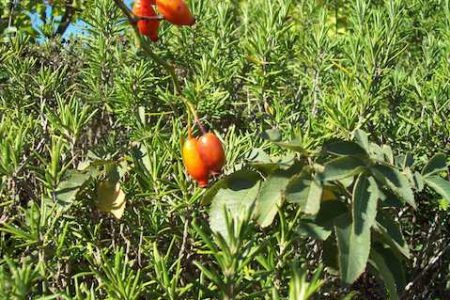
column 437, row 164
column 440, row 185
column 211, row 274
column 342, row 167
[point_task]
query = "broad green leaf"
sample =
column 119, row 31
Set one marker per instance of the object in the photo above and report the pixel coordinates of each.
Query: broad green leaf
column 262, row 162
column 396, row 181
column 390, row 233
column 293, row 145
column 306, row 190
column 311, row 229
column 389, row 199
column 437, row 164
column 364, row 203
column 330, row 255
column 342, row 167
column 330, row 210
column 394, row 262
column 237, row 180
column 258, row 155
column 352, row 249
column 415, row 179
column 344, row 148
column 440, row 185
column 388, row 155
column 377, row 152
column 353, row 236
column 418, row 181
column 237, row 196
column 362, row 139
column 381, row 266
column 271, row 196
column 409, row 161
column 322, row 225
column 68, row 188
column 272, row 135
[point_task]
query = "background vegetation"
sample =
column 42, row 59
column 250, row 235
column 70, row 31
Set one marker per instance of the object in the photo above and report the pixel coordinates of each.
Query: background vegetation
column 314, row 70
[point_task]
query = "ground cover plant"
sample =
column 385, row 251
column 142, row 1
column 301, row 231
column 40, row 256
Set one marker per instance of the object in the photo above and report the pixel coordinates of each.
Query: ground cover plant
column 231, row 149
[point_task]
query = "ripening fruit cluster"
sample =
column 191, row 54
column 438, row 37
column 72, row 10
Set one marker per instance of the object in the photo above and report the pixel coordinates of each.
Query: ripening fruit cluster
column 174, row 11
column 203, row 156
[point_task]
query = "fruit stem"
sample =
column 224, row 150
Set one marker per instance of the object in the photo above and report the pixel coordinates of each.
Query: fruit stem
column 194, row 114
column 169, row 68
column 132, row 19
column 151, row 18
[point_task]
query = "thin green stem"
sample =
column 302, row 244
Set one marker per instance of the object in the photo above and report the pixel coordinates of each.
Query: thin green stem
column 133, row 19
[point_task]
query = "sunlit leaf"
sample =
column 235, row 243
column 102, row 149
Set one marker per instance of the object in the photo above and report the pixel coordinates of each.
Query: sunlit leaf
column 341, row 168
column 396, row 181
column 437, row 164
column 306, row 190
column 353, row 232
column 440, row 185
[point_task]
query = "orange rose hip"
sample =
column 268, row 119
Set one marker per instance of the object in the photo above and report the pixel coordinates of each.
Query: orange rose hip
column 193, row 161
column 176, row 12
column 211, row 152
column 144, row 8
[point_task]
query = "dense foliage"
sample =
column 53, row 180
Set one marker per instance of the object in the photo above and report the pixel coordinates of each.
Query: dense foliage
column 316, row 73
